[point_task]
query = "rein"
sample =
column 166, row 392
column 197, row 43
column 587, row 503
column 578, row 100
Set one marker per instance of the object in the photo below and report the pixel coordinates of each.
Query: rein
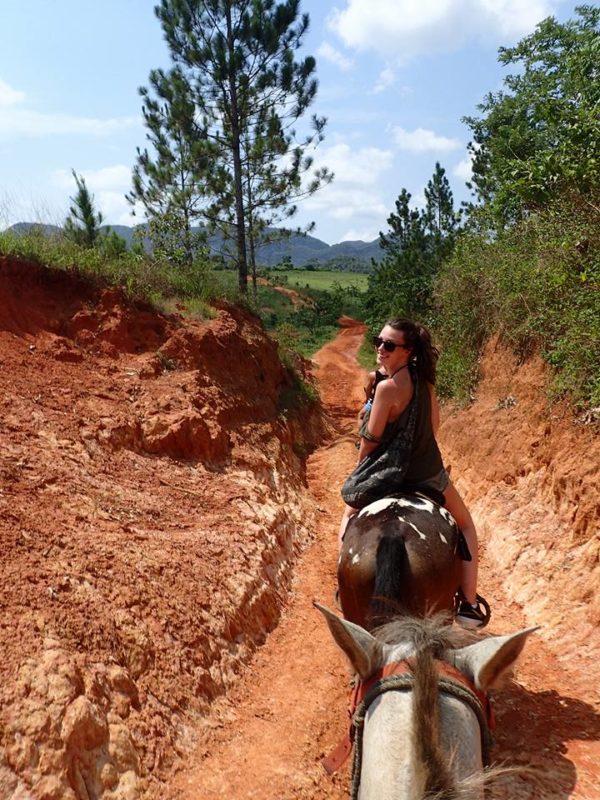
column 398, row 676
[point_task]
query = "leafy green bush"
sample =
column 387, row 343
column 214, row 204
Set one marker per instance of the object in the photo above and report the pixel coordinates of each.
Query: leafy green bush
column 537, row 138
column 537, row 285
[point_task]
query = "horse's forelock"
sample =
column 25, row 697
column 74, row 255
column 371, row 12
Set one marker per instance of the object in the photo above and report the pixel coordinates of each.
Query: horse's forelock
column 427, row 639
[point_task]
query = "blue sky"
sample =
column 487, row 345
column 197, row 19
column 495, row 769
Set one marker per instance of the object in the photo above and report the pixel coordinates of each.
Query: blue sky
column 395, row 78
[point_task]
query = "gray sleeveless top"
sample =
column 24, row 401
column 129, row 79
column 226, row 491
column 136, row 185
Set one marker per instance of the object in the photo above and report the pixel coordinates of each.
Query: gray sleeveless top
column 425, row 457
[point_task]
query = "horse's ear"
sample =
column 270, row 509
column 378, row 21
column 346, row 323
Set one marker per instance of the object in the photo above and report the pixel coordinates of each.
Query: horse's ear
column 491, row 660
column 363, row 650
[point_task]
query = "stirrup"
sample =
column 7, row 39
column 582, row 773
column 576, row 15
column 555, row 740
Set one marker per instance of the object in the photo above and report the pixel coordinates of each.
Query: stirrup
column 336, row 599
column 467, row 616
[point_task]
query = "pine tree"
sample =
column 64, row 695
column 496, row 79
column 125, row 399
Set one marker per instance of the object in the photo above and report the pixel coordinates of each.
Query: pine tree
column 166, row 182
column 83, row 223
column 415, row 246
column 441, row 220
column 227, row 112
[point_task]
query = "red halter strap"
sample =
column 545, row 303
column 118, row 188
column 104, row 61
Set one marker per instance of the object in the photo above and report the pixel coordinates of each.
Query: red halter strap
column 339, row 755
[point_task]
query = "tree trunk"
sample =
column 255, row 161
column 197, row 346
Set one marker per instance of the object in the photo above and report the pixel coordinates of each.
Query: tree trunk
column 237, row 165
column 251, row 237
column 252, row 261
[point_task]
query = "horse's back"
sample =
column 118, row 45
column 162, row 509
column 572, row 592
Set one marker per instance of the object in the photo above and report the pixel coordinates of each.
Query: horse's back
column 403, row 550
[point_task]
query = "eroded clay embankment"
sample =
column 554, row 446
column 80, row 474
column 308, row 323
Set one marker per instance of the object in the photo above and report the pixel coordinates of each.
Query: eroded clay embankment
column 531, row 476
column 151, row 510
column 266, row 737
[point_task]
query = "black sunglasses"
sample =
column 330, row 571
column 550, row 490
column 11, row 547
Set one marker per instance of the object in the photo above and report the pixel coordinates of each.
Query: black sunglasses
column 387, row 345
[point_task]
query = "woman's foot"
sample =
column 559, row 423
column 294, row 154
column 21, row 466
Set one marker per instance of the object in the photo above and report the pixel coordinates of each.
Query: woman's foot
column 469, row 615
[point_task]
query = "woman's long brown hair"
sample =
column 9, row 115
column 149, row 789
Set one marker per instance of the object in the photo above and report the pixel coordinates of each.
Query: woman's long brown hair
column 424, row 354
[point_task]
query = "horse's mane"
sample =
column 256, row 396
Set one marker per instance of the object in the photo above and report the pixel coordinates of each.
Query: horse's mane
column 431, row 633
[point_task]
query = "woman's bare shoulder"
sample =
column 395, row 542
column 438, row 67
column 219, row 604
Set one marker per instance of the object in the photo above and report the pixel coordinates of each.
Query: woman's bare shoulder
column 391, row 389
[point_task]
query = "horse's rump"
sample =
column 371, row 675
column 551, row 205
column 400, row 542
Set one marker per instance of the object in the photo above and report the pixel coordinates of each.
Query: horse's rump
column 399, row 555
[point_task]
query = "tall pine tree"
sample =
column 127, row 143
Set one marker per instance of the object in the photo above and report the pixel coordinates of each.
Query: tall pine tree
column 234, row 97
column 417, row 243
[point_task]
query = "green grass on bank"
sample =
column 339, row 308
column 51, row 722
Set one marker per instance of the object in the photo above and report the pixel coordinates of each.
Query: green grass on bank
column 366, row 355
column 141, row 276
column 304, row 328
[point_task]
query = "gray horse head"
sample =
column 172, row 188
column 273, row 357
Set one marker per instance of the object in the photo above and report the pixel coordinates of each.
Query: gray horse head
column 427, row 736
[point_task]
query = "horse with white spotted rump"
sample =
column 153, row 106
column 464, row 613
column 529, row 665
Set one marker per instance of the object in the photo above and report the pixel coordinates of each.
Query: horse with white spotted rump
column 399, row 555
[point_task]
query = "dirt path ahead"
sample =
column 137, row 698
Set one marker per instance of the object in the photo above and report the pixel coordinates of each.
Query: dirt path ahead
column 266, row 738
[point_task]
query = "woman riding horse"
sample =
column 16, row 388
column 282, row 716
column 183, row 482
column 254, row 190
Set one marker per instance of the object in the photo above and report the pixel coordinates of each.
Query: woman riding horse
column 406, row 354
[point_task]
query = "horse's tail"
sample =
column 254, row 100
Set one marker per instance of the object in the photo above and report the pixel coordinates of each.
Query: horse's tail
column 390, row 594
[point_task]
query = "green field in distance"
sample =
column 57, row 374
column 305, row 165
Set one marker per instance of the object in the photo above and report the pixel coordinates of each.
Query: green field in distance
column 320, row 279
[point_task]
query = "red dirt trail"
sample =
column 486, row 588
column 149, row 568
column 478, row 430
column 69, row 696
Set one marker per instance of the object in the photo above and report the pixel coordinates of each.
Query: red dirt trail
column 161, row 551
column 266, row 738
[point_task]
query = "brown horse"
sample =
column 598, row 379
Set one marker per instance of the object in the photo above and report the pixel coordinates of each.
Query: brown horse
column 399, row 555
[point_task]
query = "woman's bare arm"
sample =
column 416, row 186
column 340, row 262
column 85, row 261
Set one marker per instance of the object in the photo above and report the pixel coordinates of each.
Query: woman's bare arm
column 386, row 398
column 365, row 448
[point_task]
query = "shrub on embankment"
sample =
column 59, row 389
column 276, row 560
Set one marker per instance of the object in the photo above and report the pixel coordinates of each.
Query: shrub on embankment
column 526, row 264
column 537, row 286
column 142, row 275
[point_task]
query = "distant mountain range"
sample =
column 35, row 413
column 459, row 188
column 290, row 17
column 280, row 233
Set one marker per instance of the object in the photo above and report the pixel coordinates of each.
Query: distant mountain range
column 303, row 251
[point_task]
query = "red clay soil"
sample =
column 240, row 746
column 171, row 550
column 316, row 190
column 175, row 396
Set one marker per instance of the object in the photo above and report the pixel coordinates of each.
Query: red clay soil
column 266, row 738
column 161, row 551
column 152, row 506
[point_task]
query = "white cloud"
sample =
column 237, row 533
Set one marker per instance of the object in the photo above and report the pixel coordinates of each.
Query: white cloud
column 354, row 195
column 23, row 122
column 423, row 141
column 354, row 167
column 403, row 29
column 387, row 78
column 464, row 169
column 349, row 204
column 360, row 234
column 516, row 17
column 106, row 178
column 108, row 186
column 115, row 208
column 9, row 96
column 329, row 53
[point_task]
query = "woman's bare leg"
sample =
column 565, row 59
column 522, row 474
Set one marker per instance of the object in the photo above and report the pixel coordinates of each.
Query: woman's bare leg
column 456, row 506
